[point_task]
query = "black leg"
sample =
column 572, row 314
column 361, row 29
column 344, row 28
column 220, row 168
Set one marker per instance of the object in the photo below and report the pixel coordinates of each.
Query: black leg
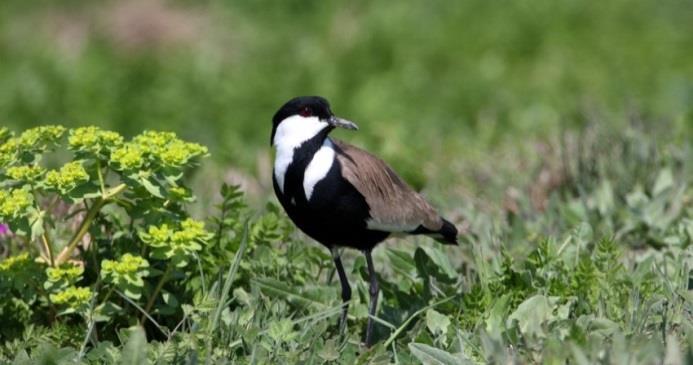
column 346, row 289
column 373, row 291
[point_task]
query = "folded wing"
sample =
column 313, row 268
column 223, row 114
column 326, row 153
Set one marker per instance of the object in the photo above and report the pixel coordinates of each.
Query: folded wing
column 394, row 205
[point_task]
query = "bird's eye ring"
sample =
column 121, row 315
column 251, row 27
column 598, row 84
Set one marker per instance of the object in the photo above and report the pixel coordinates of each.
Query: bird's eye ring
column 305, row 112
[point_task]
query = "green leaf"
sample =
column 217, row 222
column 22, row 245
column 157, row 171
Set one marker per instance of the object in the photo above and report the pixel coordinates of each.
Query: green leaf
column 281, row 330
column 36, row 219
column 605, row 197
column 104, row 353
column 88, row 190
column 330, row 351
column 496, row 318
column 532, row 314
column 401, row 260
column 597, row 325
column 151, row 186
column 579, row 355
column 665, row 180
column 427, row 267
column 47, row 353
column 135, row 350
column 637, row 198
column 105, row 311
column 170, row 299
column 171, row 176
column 688, row 226
column 440, row 258
column 132, row 292
column 437, row 323
column 279, row 288
column 242, row 296
column 429, row 355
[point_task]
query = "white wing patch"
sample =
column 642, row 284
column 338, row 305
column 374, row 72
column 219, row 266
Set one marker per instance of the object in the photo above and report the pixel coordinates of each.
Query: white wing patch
column 318, row 167
column 291, row 133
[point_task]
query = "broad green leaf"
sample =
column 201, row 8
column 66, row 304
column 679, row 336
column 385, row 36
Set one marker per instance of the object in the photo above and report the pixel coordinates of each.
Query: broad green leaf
column 104, row 353
column 401, row 260
column 665, row 180
column 605, row 197
column 495, row 322
column 429, row 355
column 320, row 293
column 579, row 355
column 105, row 311
column 636, row 198
column 22, row 358
column 279, row 288
column 281, row 330
column 441, row 259
column 171, row 176
column 170, row 299
column 330, row 351
column 132, row 292
column 688, row 226
column 151, row 186
column 427, row 268
column 242, row 296
column 403, row 263
column 135, row 349
column 47, row 353
column 532, row 314
column 597, row 325
column 437, row 323
column 88, row 190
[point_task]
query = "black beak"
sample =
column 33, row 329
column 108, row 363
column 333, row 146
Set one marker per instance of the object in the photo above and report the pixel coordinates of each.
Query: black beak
column 343, row 123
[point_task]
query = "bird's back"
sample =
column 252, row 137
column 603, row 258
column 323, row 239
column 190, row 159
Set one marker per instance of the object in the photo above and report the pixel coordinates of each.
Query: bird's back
column 393, row 205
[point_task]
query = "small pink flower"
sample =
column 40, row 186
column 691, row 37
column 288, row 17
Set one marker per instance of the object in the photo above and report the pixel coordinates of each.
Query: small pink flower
column 4, row 230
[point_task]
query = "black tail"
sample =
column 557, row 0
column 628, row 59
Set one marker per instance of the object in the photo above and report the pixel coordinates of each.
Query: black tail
column 447, row 234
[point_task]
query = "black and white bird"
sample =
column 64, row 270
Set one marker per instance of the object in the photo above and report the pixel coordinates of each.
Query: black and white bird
column 343, row 196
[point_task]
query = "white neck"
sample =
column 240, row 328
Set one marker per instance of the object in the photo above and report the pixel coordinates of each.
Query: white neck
column 290, row 134
column 319, row 166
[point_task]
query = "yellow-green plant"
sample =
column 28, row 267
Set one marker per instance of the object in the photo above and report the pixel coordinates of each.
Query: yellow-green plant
column 75, row 223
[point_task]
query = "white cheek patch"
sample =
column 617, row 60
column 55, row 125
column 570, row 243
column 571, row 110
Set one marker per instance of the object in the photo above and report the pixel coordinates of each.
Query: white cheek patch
column 291, row 133
column 318, row 167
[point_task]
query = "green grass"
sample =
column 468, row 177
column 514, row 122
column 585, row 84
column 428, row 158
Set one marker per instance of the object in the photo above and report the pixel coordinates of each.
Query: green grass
column 557, row 132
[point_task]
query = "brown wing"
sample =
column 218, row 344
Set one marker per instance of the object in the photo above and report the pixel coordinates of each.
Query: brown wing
column 394, row 205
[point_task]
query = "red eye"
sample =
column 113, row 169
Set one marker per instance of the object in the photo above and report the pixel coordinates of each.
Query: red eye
column 305, row 112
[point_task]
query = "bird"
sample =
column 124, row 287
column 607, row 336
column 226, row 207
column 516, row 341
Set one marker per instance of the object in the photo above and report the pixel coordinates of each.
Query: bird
column 342, row 196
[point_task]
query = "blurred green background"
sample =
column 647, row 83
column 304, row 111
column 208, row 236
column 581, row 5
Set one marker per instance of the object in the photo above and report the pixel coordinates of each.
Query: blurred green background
column 439, row 88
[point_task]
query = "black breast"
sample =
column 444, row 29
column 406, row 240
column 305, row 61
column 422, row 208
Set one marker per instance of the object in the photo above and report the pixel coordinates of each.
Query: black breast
column 336, row 214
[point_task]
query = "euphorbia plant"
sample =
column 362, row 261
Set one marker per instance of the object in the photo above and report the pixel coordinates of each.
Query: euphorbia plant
column 91, row 221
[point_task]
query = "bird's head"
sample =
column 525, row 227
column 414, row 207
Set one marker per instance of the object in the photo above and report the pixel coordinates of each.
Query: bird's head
column 304, row 117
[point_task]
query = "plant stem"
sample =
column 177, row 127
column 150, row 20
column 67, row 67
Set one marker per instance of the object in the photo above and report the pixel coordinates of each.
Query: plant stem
column 41, row 291
column 49, row 248
column 84, row 227
column 44, row 236
column 108, row 294
column 101, row 182
column 115, row 191
column 81, row 231
column 159, row 285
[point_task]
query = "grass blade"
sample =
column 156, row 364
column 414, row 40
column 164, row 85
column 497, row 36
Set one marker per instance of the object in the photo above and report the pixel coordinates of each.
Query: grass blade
column 221, row 303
